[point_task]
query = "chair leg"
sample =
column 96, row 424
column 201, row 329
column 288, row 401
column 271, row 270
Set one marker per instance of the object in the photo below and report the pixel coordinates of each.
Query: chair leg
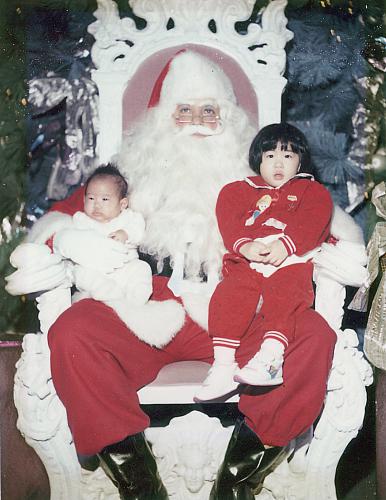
column 35, row 398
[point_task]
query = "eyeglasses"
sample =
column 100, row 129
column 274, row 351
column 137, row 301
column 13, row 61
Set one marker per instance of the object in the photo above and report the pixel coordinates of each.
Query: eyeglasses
column 207, row 113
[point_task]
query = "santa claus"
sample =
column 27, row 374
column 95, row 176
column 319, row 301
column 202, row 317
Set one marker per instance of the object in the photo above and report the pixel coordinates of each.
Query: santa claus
column 196, row 139
column 192, row 141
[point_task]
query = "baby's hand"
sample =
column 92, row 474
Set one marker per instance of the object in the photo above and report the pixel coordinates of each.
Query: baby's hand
column 119, row 235
column 277, row 253
column 254, row 251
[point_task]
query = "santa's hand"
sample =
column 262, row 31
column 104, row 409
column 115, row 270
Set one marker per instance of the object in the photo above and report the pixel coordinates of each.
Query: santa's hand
column 90, row 249
column 37, row 270
column 344, row 262
column 96, row 284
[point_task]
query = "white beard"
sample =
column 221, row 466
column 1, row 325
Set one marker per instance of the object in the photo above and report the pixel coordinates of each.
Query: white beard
column 174, row 181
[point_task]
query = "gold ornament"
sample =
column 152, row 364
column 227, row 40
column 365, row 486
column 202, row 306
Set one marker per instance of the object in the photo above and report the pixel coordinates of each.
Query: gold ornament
column 376, row 170
column 378, row 163
column 375, row 335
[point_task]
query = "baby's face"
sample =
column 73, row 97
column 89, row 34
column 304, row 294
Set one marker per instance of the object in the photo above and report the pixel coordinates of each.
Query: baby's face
column 102, row 201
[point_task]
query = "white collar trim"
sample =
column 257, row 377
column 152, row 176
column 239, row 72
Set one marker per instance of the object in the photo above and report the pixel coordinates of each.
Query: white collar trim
column 262, row 186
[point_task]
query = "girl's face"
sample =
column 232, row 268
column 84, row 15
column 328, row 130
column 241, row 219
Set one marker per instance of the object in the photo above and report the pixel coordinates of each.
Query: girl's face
column 279, row 165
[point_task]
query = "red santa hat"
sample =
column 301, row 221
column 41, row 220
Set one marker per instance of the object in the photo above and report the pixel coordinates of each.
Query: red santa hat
column 190, row 75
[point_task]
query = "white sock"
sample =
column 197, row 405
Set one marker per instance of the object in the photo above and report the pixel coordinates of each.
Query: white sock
column 224, row 355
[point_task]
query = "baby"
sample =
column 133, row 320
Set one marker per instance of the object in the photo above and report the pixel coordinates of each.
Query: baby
column 105, row 211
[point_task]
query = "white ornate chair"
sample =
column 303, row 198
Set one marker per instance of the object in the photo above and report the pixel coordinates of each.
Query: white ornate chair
column 188, row 461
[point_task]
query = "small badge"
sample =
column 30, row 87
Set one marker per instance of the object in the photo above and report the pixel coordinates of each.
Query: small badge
column 292, row 199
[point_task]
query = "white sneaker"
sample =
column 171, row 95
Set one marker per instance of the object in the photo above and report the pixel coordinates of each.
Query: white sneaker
column 218, row 382
column 262, row 369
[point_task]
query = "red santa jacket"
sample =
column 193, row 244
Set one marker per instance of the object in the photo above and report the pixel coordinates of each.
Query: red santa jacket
column 301, row 209
column 74, row 203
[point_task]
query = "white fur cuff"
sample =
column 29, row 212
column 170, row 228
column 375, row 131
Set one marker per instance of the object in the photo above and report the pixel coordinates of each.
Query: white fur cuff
column 47, row 226
column 156, row 323
column 343, row 227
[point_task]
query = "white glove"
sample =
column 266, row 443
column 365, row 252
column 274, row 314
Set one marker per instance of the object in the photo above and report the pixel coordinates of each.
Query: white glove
column 344, row 262
column 38, row 270
column 91, row 250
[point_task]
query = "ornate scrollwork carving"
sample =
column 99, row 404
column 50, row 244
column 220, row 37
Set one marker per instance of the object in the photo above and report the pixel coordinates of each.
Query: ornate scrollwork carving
column 118, row 42
column 188, row 461
column 42, row 418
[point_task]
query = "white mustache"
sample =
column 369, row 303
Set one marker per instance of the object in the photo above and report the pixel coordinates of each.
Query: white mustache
column 201, row 130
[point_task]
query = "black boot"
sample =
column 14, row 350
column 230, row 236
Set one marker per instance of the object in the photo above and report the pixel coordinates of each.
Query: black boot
column 131, row 466
column 89, row 462
column 246, row 464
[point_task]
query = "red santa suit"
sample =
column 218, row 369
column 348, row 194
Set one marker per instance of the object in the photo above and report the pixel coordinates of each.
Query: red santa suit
column 91, row 347
column 97, row 363
column 298, row 213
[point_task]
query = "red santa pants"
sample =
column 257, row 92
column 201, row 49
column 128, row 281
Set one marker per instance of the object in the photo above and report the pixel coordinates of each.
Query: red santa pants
column 98, row 365
column 233, row 305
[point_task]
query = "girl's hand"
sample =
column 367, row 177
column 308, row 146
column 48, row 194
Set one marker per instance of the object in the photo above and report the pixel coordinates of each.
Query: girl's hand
column 254, row 251
column 277, row 253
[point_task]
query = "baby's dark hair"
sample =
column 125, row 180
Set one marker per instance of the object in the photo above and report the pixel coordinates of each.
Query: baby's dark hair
column 109, row 170
column 268, row 138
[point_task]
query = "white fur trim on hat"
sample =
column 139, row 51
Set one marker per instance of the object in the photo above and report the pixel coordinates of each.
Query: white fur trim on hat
column 193, row 76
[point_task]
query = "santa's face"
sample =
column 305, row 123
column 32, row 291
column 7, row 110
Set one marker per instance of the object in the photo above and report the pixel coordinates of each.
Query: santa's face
column 197, row 117
column 175, row 176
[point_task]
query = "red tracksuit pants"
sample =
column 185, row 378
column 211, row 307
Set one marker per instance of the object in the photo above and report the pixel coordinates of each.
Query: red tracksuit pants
column 98, row 365
column 233, row 305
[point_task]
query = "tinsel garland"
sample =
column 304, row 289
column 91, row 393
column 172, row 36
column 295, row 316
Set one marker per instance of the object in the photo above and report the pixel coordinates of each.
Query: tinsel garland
column 367, row 121
column 375, row 335
column 77, row 160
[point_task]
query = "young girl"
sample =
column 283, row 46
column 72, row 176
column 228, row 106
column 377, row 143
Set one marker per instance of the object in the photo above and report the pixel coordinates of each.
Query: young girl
column 271, row 225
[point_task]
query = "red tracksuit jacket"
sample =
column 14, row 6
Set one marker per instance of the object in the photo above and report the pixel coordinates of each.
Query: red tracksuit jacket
column 301, row 208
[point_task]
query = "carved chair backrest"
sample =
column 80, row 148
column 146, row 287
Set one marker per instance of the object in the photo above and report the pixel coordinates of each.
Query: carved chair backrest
column 128, row 60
